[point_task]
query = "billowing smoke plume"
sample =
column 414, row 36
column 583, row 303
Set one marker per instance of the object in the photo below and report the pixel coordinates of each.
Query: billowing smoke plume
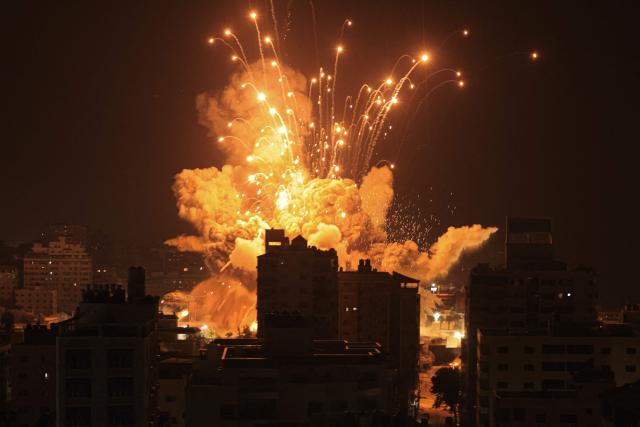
column 269, row 183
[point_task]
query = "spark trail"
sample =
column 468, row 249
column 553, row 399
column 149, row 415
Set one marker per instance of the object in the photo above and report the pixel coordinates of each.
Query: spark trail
column 297, row 160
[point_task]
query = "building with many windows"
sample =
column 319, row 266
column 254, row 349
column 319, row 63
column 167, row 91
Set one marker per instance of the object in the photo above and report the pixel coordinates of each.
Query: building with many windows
column 32, row 376
column 287, row 378
column 39, row 300
column 8, row 284
column 60, row 264
column 383, row 307
column 531, row 292
column 107, row 358
column 517, row 365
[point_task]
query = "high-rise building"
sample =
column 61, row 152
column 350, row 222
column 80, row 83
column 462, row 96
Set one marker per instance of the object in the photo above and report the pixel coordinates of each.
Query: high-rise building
column 385, row 308
column 32, row 376
column 60, row 264
column 107, row 358
column 294, row 277
column 531, row 292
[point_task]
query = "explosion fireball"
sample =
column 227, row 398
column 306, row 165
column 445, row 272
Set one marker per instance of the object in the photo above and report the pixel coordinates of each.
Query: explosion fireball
column 300, row 161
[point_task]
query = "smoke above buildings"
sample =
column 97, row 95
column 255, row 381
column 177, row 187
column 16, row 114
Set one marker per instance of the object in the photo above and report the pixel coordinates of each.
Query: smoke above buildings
column 263, row 123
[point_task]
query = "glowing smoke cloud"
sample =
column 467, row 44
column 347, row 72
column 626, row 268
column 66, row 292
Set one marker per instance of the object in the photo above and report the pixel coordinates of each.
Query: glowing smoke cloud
column 286, row 169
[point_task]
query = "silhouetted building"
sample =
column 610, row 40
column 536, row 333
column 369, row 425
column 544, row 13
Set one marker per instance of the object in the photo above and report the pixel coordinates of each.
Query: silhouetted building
column 177, row 341
column 385, row 308
column 287, row 379
column 621, row 405
column 32, row 376
column 539, row 362
column 62, row 264
column 174, row 374
column 296, row 277
column 173, row 270
column 5, row 348
column 107, row 358
column 8, row 284
column 580, row 405
column 532, row 292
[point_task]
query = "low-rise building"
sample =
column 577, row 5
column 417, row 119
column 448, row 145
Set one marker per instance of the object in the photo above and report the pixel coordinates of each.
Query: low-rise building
column 580, row 405
column 520, row 365
column 39, row 300
column 287, row 378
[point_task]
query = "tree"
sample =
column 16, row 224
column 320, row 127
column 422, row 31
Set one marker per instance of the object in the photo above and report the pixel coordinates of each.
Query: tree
column 446, row 384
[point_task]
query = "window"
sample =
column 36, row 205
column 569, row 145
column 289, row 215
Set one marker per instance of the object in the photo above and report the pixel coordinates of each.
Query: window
column 631, row 350
column 552, row 384
column 568, row 418
column 528, row 367
column 553, row 349
column 630, row 368
column 503, row 384
column 553, row 366
column 528, row 385
column 78, row 359
column 503, row 349
column 78, row 387
column 78, row 416
column 120, row 387
column 227, row 412
column 605, row 350
column 528, row 350
column 503, row 415
column 577, row 366
column 120, row 358
column 518, row 414
column 503, row 367
column 120, row 416
column 579, row 349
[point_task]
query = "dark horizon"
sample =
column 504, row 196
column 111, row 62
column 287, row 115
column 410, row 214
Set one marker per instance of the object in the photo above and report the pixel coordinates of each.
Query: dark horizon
column 101, row 116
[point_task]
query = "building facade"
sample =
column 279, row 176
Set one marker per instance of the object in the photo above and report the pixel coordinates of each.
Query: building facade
column 293, row 277
column 32, row 376
column 61, row 264
column 39, row 300
column 107, row 358
column 8, row 284
column 385, row 308
column 532, row 291
column 518, row 365
column 287, row 379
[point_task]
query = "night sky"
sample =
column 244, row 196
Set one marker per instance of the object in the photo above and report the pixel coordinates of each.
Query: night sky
column 99, row 114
